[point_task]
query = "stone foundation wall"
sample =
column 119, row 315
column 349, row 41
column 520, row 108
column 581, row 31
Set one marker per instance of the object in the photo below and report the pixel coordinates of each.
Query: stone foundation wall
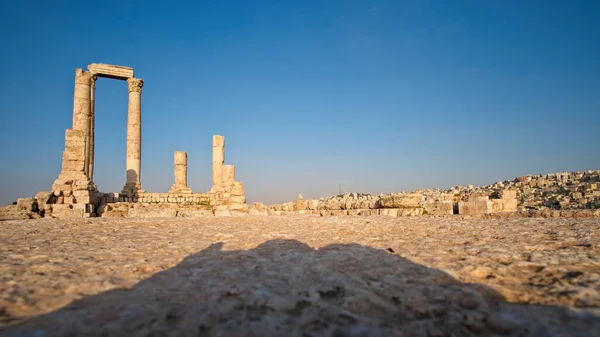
column 169, row 198
column 483, row 205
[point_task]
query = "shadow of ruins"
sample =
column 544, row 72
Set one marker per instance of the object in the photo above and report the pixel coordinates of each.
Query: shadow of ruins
column 287, row 288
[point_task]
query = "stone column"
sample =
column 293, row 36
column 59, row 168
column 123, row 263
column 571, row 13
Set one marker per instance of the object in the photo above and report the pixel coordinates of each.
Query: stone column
column 228, row 175
column 134, row 137
column 218, row 157
column 92, row 130
column 180, row 171
column 81, row 109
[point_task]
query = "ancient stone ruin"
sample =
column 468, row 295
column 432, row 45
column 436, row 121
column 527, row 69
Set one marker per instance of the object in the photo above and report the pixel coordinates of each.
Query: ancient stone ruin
column 74, row 193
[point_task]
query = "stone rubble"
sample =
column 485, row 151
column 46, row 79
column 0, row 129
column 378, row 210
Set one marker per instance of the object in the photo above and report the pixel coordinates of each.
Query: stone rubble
column 575, row 191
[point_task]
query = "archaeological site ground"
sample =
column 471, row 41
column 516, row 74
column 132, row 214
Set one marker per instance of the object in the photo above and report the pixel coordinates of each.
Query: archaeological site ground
column 520, row 257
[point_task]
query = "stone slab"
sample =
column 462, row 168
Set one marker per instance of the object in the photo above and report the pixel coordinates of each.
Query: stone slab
column 195, row 213
column 151, row 212
column 111, row 71
column 66, row 211
column 474, row 207
column 439, row 208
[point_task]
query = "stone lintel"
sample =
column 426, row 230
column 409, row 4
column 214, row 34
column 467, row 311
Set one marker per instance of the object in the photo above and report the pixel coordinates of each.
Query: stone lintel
column 111, row 71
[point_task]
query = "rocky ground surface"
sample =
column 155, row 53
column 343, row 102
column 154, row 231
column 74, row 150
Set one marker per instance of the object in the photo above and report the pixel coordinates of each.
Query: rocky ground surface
column 300, row 275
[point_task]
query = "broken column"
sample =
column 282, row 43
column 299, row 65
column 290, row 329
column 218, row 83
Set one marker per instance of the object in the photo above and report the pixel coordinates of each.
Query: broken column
column 218, row 157
column 134, row 137
column 74, row 172
column 73, row 190
column 180, row 172
column 228, row 175
column 225, row 193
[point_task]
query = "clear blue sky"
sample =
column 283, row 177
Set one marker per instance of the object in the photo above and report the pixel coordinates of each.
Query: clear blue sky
column 378, row 96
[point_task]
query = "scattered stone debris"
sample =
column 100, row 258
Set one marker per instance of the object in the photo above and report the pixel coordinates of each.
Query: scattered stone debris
column 563, row 191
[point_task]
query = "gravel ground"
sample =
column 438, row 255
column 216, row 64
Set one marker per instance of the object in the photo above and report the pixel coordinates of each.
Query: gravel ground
column 300, row 275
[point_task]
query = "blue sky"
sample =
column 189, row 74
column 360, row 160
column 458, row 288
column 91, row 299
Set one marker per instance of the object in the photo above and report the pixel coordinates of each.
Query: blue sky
column 378, row 96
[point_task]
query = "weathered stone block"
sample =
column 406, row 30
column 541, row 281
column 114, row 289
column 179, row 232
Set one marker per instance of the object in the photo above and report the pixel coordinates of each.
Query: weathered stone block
column 43, row 198
column 195, row 213
column 110, row 71
column 497, row 205
column 508, row 194
column 151, row 212
column 400, row 201
column 235, row 199
column 74, row 155
column 439, row 208
column 73, row 165
column 254, row 211
column 27, row 204
column 67, row 211
column 393, row 212
column 410, row 211
column 474, row 207
column 241, row 207
column 333, row 212
column 354, row 212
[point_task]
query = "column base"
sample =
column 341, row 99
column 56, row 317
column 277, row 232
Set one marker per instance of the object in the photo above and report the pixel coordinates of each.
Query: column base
column 132, row 189
column 180, row 190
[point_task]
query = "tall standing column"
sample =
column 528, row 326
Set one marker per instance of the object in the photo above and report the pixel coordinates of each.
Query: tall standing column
column 81, row 109
column 92, row 131
column 134, row 137
column 218, row 157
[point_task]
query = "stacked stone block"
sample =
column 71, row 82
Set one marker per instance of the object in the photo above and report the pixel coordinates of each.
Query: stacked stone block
column 73, row 191
column 445, row 207
column 158, row 198
column 226, row 193
column 475, row 205
column 483, row 204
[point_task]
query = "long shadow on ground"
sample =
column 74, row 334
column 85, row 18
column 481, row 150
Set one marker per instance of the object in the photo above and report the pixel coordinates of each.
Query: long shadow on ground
column 286, row 288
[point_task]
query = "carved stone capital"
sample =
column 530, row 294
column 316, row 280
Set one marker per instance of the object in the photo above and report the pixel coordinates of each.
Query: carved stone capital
column 82, row 77
column 135, row 84
column 93, row 79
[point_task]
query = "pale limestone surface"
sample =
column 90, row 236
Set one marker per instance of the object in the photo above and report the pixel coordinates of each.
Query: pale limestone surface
column 218, row 157
column 300, row 275
column 134, row 137
column 111, row 71
column 180, row 173
column 81, row 101
column 228, row 174
column 92, row 129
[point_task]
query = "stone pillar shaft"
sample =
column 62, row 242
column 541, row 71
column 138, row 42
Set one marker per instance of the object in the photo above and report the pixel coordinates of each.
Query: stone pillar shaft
column 218, row 157
column 134, row 136
column 92, row 128
column 180, row 172
column 82, row 109
column 228, row 174
column 180, row 168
